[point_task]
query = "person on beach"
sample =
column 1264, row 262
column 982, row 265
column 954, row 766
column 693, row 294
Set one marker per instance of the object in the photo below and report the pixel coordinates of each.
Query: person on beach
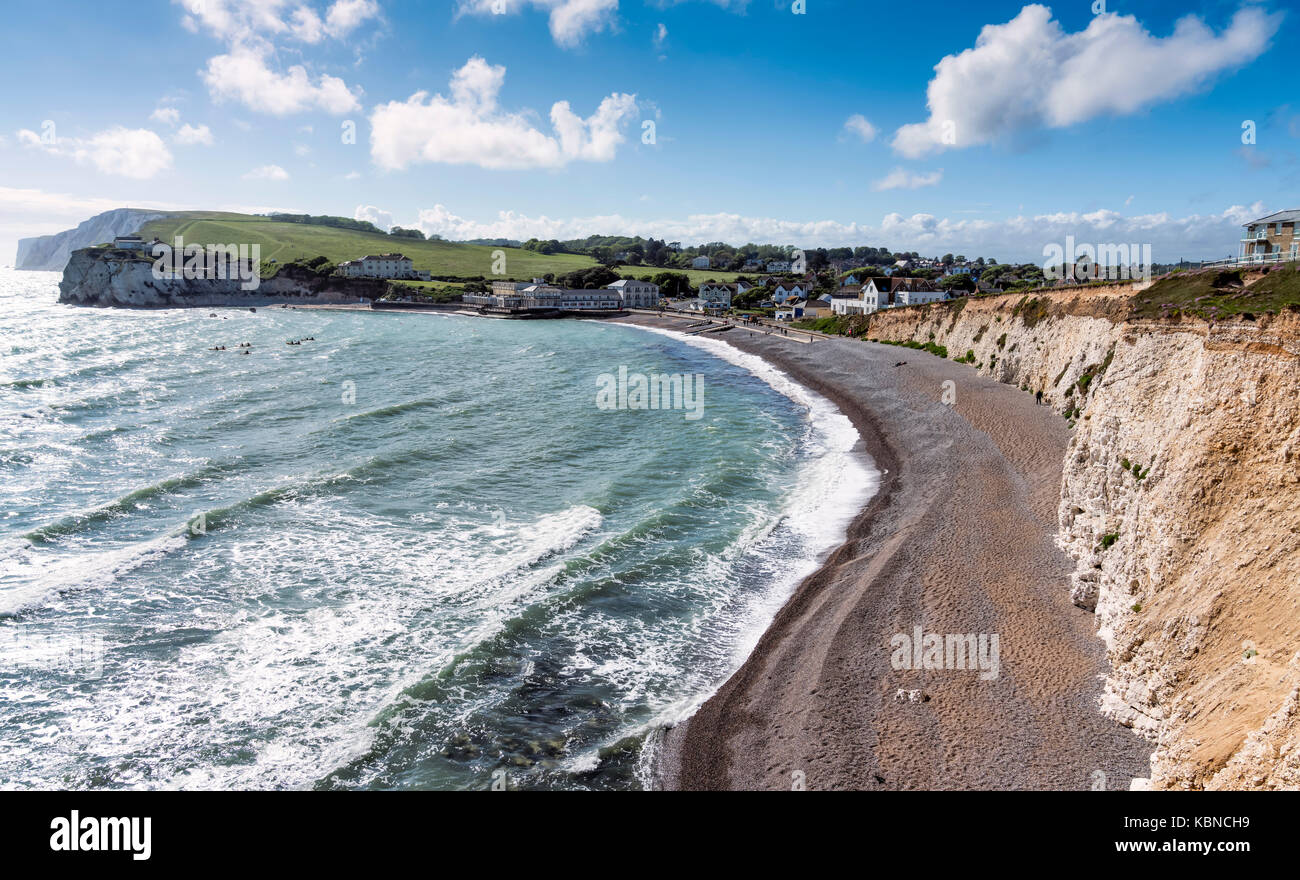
column 1038, row 398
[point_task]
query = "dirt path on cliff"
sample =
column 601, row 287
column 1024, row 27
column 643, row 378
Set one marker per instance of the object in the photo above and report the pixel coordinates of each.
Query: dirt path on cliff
column 958, row 541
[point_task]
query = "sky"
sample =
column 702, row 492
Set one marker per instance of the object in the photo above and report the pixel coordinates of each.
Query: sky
column 985, row 129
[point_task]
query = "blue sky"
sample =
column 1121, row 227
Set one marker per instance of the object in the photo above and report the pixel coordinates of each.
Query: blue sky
column 1124, row 126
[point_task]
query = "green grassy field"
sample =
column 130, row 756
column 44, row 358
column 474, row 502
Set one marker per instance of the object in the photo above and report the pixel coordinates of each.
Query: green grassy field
column 290, row 241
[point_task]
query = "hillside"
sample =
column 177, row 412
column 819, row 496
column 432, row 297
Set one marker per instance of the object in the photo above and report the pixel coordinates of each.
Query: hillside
column 287, row 241
column 284, row 241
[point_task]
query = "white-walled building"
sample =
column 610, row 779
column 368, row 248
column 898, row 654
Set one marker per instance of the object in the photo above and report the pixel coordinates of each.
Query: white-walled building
column 129, row 242
column 383, row 266
column 701, row 263
column 636, row 294
column 601, row 300
column 885, row 293
column 722, row 294
column 787, row 290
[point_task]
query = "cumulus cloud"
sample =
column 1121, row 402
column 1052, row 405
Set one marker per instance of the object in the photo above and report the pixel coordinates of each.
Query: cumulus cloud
column 194, row 134
column 166, row 115
column 267, row 172
column 570, row 20
column 857, row 124
column 468, row 128
column 346, row 15
column 137, row 153
column 236, row 21
column 306, row 25
column 243, row 75
column 381, row 218
column 1030, row 73
column 900, row 178
column 249, row 28
column 1019, row 239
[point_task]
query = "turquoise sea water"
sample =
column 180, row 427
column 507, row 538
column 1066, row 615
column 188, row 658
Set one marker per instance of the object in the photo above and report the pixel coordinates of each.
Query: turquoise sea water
column 409, row 553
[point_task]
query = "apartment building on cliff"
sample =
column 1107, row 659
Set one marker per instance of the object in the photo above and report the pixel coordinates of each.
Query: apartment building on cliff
column 1271, row 239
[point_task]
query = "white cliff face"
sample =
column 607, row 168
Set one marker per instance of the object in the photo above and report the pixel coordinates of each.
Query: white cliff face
column 51, row 252
column 1180, row 504
column 92, row 279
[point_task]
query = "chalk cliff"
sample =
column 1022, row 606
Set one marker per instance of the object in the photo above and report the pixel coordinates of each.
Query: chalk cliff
column 1180, row 504
column 51, row 252
column 106, row 277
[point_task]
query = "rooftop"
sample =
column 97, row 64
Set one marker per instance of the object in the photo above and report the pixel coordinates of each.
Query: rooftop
column 1279, row 217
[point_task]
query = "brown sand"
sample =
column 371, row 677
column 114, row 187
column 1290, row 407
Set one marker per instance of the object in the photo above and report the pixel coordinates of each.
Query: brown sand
column 959, row 539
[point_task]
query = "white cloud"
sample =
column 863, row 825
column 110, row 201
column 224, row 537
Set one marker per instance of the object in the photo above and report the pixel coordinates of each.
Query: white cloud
column 237, row 21
column 166, row 115
column 661, row 36
column 243, row 75
column 857, row 124
column 267, row 172
column 1019, row 239
column 570, row 20
column 137, row 153
column 469, row 129
column 346, row 15
column 1030, row 73
column 306, row 25
column 249, row 29
column 192, row 134
column 381, row 218
column 901, row 178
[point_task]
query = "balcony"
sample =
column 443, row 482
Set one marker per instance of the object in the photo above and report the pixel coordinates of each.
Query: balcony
column 1271, row 259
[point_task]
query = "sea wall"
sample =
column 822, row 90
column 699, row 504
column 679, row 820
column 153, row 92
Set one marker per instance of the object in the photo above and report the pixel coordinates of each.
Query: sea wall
column 1180, row 506
column 124, row 279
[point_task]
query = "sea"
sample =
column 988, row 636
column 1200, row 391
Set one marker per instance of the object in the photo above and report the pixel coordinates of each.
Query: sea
column 372, row 550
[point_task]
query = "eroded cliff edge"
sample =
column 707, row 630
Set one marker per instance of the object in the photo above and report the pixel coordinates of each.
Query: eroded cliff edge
column 1179, row 505
column 108, row 277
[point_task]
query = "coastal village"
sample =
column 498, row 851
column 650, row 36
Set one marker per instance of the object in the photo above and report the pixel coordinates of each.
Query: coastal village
column 793, row 287
column 787, row 291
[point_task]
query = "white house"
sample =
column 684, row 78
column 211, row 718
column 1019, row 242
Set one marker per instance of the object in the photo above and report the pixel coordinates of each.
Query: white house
column 848, row 301
column 722, row 294
column 129, row 242
column 918, row 294
column 884, row 293
column 778, row 266
column 382, row 266
column 700, row 263
column 787, row 290
column 604, row 300
column 636, row 294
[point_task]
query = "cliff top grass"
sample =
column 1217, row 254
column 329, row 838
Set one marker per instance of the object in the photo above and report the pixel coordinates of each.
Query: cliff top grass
column 284, row 242
column 1215, row 294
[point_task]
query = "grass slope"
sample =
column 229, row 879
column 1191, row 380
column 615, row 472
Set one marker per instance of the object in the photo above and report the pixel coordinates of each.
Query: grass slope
column 289, row 241
column 1220, row 294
